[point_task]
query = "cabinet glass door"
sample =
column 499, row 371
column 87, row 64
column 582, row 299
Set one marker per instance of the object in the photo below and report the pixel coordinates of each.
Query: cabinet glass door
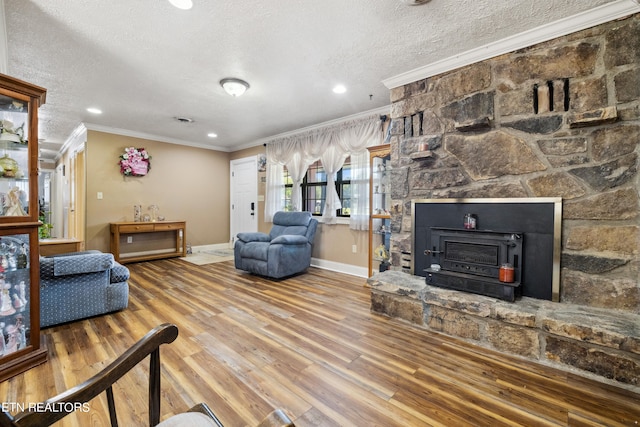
column 381, row 200
column 15, row 298
column 14, row 156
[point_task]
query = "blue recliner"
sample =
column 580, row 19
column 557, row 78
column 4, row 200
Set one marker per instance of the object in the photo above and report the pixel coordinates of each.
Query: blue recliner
column 285, row 251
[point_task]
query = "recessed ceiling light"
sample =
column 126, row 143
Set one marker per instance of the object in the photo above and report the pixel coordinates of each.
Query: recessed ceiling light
column 339, row 89
column 212, row 135
column 93, row 110
column 182, row 4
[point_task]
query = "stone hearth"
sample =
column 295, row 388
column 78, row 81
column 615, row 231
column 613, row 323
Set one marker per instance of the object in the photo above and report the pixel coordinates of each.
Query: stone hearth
column 565, row 336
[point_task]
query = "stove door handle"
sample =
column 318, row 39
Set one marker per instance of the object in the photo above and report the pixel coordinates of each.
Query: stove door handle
column 430, row 252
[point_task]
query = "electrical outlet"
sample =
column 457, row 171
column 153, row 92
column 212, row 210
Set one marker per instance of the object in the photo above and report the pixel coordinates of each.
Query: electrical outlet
column 129, row 239
column 354, row 249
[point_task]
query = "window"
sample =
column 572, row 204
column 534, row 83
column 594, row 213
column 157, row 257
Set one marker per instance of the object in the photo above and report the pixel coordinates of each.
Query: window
column 314, row 189
column 288, row 188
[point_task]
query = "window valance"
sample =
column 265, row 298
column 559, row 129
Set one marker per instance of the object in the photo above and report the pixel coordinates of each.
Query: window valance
column 331, row 145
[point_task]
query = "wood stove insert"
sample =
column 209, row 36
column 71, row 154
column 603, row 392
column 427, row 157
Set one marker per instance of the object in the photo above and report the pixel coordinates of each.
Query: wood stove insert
column 471, row 260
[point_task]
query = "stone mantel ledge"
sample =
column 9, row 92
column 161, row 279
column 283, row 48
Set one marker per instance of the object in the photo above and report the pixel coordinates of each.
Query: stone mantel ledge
column 604, row 327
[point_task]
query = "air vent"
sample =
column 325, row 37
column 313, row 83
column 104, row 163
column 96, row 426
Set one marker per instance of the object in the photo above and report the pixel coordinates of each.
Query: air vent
column 184, row 119
column 415, row 2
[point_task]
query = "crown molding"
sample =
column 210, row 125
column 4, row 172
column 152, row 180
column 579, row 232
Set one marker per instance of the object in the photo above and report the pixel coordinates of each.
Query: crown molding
column 380, row 110
column 78, row 134
column 125, row 132
column 142, row 135
column 596, row 16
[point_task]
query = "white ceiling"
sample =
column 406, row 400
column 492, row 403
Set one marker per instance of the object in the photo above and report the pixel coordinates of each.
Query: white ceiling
column 144, row 62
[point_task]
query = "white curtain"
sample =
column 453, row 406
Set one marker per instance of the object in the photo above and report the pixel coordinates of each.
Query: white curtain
column 359, row 219
column 332, row 160
column 274, row 198
column 355, row 139
column 290, row 153
column 331, row 145
column 297, row 167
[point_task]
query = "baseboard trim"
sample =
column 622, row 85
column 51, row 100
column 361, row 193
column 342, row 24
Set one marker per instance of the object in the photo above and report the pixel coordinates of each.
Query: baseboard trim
column 217, row 246
column 339, row 267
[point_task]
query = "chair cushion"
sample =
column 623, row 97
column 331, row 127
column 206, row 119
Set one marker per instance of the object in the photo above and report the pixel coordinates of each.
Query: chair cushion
column 119, row 273
column 288, row 239
column 280, row 230
column 255, row 250
column 77, row 264
column 254, row 237
column 292, row 218
column 190, row 419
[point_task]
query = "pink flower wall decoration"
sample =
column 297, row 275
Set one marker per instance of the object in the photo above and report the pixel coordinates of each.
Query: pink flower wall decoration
column 135, row 162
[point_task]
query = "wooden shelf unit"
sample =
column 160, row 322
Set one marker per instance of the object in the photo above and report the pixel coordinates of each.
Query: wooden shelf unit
column 125, row 229
column 379, row 206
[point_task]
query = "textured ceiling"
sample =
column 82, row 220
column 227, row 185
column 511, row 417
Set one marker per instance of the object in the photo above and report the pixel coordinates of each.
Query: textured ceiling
column 145, row 62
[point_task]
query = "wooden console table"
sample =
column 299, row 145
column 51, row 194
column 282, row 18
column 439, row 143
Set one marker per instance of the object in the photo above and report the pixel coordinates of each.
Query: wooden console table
column 129, row 229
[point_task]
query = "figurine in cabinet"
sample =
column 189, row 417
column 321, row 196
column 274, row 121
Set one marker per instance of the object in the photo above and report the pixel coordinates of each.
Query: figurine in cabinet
column 381, row 252
column 3, row 346
column 13, row 204
column 22, row 292
column 21, row 332
column 6, row 306
column 17, row 303
column 12, row 339
column 11, row 134
column 23, row 261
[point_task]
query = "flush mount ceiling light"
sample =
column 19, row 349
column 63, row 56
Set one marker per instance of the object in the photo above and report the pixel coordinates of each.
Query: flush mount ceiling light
column 182, row 4
column 212, row 135
column 93, row 110
column 415, row 2
column 234, row 87
column 339, row 89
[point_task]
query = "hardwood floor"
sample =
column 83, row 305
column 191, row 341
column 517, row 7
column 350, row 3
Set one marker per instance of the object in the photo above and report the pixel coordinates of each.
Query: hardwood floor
column 309, row 345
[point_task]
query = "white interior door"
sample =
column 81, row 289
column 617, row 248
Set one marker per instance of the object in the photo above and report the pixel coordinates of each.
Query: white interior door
column 57, row 202
column 244, row 196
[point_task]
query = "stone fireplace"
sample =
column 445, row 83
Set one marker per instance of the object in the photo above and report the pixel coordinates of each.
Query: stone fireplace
column 556, row 120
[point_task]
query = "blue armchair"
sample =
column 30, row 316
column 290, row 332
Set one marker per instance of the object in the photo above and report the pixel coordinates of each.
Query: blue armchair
column 78, row 285
column 285, row 251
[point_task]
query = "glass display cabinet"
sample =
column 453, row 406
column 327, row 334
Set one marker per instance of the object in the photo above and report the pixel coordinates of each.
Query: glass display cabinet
column 379, row 208
column 20, row 347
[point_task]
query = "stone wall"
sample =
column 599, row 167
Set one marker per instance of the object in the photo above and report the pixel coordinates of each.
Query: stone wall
column 559, row 119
